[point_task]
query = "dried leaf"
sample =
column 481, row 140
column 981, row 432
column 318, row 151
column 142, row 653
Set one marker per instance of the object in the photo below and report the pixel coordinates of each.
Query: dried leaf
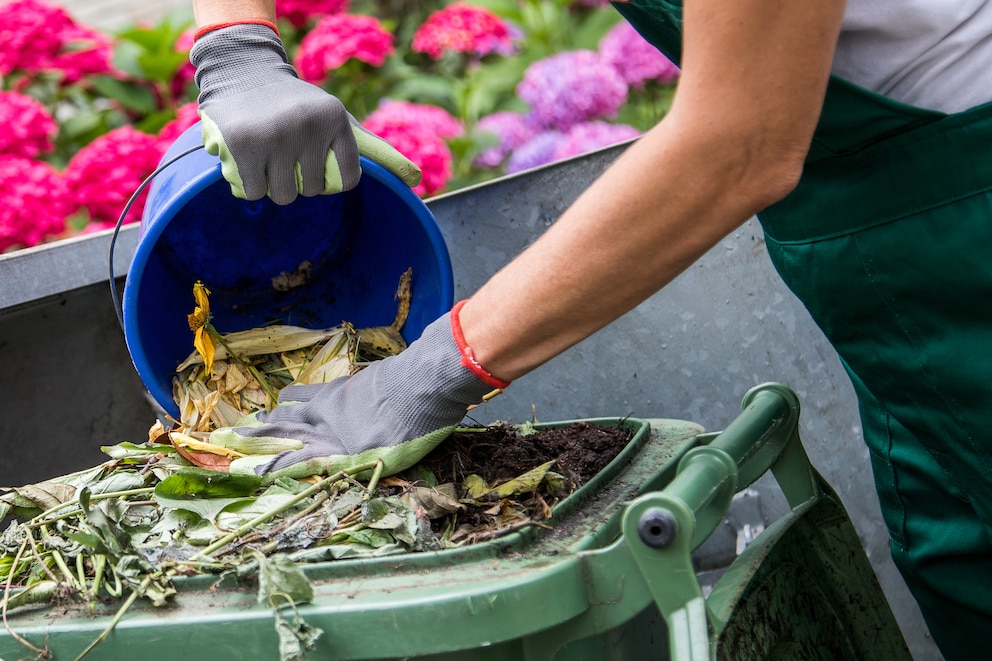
column 261, row 341
column 434, row 501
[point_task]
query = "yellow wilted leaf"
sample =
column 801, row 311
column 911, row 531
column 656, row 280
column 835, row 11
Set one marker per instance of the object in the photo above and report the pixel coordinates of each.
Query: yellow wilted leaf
column 205, row 347
column 182, row 440
column 198, row 321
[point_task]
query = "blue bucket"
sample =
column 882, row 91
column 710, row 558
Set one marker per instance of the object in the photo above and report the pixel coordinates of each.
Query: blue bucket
column 359, row 243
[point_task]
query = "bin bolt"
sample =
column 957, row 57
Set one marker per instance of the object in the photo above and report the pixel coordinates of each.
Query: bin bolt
column 657, row 528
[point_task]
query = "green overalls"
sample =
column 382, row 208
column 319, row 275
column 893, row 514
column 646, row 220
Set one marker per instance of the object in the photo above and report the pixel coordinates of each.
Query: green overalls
column 887, row 241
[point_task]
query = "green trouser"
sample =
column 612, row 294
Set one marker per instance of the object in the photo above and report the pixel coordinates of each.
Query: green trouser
column 887, row 241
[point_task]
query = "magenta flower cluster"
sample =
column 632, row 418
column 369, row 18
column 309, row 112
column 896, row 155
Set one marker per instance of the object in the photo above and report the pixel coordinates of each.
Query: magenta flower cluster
column 102, row 175
column 635, row 59
column 28, row 127
column 33, row 202
column 462, row 28
column 36, row 199
column 36, row 37
column 338, row 38
column 300, row 12
column 419, row 132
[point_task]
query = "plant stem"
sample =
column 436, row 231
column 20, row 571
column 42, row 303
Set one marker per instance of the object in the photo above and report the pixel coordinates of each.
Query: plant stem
column 262, row 518
column 40, row 520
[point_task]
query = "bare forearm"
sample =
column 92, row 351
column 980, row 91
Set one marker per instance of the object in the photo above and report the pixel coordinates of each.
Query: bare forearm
column 211, row 12
column 625, row 238
column 753, row 78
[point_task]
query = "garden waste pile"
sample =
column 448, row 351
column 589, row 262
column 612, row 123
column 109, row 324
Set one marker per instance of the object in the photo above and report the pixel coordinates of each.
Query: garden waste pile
column 168, row 507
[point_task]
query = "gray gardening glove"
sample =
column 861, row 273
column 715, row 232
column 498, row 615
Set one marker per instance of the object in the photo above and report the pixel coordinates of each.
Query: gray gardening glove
column 274, row 133
column 397, row 409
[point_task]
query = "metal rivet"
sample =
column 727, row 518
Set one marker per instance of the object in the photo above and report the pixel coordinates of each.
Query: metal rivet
column 657, row 528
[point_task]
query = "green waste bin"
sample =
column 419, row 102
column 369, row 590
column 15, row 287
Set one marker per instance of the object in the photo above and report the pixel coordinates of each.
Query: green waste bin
column 612, row 578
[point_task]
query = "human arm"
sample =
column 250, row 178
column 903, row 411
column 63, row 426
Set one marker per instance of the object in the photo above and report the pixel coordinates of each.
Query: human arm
column 275, row 134
column 754, row 74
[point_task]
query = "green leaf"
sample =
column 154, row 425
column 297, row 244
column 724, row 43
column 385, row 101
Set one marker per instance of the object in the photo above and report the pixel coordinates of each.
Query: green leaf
column 135, row 97
column 370, row 537
column 206, row 492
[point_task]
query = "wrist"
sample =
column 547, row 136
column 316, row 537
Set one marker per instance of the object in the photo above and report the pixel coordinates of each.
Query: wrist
column 234, row 58
column 226, row 24
column 468, row 358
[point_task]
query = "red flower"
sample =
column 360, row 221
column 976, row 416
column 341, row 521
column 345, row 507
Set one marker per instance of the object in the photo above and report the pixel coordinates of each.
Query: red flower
column 338, row 38
column 299, row 12
column 462, row 28
column 28, row 128
column 33, row 202
column 104, row 174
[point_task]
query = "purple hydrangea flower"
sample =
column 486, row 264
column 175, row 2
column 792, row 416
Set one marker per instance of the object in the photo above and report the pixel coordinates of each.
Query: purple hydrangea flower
column 589, row 136
column 539, row 150
column 512, row 129
column 634, row 58
column 572, row 87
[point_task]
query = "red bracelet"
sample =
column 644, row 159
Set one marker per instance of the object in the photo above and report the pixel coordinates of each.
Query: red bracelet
column 248, row 21
column 468, row 357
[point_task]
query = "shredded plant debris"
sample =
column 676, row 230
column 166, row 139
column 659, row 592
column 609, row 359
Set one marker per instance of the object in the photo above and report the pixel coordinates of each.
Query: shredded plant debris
column 167, row 507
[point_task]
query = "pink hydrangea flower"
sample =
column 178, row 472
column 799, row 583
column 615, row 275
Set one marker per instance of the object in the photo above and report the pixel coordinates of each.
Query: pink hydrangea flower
column 416, row 117
column 637, row 61
column 38, row 37
column 104, row 174
column 299, row 12
column 340, row 37
column 512, row 129
column 589, row 136
column 418, row 132
column 28, row 127
column 462, row 28
column 33, row 202
column 572, row 87
column 186, row 115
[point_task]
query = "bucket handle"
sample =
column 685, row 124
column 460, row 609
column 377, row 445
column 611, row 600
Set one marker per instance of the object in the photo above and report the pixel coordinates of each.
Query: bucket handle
column 115, row 297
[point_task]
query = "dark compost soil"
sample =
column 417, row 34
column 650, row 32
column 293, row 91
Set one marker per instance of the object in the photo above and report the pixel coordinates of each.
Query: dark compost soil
column 500, row 453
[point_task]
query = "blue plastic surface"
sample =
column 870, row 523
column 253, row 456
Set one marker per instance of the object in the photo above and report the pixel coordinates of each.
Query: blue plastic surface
column 359, row 243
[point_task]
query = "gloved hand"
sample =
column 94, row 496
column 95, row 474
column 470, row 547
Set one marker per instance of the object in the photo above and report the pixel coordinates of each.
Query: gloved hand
column 273, row 132
column 397, row 409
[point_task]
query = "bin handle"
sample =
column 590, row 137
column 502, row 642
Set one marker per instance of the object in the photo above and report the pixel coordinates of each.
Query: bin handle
column 115, row 297
column 661, row 529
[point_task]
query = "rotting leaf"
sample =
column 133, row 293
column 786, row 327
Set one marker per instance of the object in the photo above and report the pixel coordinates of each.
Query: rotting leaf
column 279, row 579
column 435, row 502
column 295, row 637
